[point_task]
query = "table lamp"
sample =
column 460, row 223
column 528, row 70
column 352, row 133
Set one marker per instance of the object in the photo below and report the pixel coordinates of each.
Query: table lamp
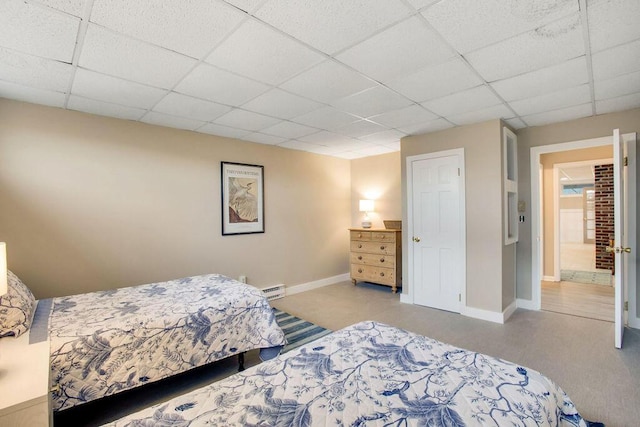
column 366, row 206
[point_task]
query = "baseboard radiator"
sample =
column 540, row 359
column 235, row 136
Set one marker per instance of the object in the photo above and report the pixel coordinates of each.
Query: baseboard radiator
column 274, row 292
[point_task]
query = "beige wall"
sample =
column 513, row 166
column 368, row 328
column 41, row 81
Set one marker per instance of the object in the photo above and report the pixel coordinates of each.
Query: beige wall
column 548, row 160
column 483, row 165
column 92, row 203
column 574, row 130
column 376, row 177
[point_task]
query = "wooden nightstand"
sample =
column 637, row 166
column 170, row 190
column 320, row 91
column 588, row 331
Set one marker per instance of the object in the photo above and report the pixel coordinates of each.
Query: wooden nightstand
column 24, row 383
column 376, row 256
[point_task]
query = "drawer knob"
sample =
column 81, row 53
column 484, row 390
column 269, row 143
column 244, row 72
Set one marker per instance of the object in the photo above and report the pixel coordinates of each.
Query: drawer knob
column 359, row 234
column 359, row 246
column 381, row 274
column 381, row 259
column 360, row 258
column 359, row 270
column 382, row 248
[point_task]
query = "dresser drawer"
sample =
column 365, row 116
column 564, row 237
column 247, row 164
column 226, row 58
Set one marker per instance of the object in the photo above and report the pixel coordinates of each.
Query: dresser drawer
column 360, row 235
column 381, row 236
column 381, row 248
column 373, row 259
column 367, row 273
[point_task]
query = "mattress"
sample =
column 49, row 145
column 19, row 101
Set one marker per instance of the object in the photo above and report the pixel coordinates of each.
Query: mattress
column 372, row 374
column 109, row 341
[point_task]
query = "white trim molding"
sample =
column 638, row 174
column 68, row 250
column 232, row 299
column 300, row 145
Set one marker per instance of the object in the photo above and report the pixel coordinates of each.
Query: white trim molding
column 527, row 304
column 491, row 316
column 303, row 287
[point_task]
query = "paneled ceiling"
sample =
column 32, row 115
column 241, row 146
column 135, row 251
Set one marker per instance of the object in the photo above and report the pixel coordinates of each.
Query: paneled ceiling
column 345, row 78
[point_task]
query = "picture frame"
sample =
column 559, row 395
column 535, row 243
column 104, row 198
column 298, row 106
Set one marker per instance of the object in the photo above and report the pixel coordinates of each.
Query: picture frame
column 242, row 198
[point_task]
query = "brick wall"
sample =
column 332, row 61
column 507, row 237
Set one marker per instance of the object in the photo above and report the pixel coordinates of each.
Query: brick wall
column 604, row 214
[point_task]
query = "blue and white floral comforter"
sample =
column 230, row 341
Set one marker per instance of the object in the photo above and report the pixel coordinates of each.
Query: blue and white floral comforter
column 372, row 374
column 109, row 341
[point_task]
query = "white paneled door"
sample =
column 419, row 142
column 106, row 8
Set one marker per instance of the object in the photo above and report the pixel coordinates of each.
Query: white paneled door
column 437, row 224
column 618, row 248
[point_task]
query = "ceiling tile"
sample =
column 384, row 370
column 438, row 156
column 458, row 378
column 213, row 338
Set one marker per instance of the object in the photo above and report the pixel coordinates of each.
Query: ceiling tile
column 469, row 100
column 612, row 22
column 248, row 6
column 220, row 86
column 545, row 46
column 325, row 118
column 327, row 82
column 258, row 52
column 565, row 75
column 561, row 115
column 331, row 25
column 93, row 85
column 395, row 145
column 360, row 128
column 437, row 81
column 279, row 103
column 246, row 120
column 328, row 139
column 432, row 126
column 37, row 30
column 616, row 61
column 387, row 137
column 470, row 25
column 308, row 147
column 289, row 130
column 226, row 131
column 371, row 102
column 167, row 120
column 34, row 71
column 620, row 103
column 30, row 94
column 185, row 106
column 73, row 7
column 553, row 101
column 419, row 4
column 397, row 51
column 410, row 115
column 618, row 86
column 496, row 112
column 192, row 27
column 104, row 108
column 515, row 123
column 261, row 138
column 119, row 56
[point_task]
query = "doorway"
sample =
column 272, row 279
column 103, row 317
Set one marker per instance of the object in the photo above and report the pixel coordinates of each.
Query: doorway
column 576, row 281
column 625, row 198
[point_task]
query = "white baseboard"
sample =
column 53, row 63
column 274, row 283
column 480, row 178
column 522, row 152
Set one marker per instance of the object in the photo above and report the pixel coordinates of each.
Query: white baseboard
column 549, row 279
column 527, row 304
column 291, row 290
column 478, row 313
column 507, row 312
column 406, row 298
column 633, row 322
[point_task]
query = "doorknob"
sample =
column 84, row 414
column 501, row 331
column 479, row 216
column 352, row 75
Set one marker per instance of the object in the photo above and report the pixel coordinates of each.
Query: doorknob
column 627, row 250
column 416, row 239
column 617, row 249
column 610, row 249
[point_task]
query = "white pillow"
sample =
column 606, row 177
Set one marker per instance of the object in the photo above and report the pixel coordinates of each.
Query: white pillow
column 16, row 308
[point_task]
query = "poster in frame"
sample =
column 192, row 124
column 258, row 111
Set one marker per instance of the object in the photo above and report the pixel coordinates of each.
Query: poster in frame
column 242, row 198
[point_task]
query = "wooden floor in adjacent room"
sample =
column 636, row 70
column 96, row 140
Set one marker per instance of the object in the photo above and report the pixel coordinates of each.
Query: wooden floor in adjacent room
column 579, row 299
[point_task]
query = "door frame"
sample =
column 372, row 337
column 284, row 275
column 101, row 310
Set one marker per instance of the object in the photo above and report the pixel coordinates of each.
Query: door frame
column 556, row 211
column 536, row 205
column 463, row 220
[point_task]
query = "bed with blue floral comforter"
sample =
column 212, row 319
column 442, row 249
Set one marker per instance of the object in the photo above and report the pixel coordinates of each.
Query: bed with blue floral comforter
column 372, row 374
column 109, row 341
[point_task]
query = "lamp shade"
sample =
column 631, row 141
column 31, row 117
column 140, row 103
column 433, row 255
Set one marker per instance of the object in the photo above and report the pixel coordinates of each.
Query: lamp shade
column 3, row 268
column 366, row 205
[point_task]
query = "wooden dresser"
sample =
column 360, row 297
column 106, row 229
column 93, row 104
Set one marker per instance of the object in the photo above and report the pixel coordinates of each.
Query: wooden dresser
column 376, row 256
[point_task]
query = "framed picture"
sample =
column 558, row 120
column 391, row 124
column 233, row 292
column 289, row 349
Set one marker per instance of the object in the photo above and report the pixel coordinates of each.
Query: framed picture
column 242, row 198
